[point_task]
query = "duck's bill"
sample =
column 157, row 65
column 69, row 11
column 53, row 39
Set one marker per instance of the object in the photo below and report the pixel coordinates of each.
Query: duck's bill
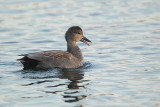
column 85, row 40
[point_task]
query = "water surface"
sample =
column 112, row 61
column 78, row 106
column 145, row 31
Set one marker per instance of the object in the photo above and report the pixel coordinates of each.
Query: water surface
column 122, row 65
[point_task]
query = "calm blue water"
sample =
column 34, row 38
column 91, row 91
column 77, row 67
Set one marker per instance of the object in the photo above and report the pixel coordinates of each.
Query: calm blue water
column 122, row 65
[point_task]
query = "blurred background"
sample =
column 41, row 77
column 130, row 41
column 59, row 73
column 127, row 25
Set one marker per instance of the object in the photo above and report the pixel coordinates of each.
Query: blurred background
column 122, row 65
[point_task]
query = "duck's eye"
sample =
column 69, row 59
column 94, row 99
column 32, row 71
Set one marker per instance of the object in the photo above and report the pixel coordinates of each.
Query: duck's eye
column 77, row 32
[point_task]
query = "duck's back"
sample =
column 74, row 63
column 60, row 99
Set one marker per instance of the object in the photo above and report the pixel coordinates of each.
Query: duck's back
column 50, row 59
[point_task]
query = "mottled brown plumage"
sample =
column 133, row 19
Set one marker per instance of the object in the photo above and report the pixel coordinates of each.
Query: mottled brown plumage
column 72, row 58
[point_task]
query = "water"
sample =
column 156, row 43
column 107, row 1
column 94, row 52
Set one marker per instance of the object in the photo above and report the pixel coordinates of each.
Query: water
column 122, row 65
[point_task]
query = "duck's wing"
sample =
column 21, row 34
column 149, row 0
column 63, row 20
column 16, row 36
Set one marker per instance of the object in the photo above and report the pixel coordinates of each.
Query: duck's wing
column 40, row 56
column 45, row 59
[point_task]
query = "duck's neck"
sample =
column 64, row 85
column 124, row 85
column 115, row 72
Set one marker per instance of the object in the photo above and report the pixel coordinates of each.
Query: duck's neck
column 74, row 50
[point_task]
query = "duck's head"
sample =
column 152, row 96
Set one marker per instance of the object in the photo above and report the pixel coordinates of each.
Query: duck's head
column 75, row 34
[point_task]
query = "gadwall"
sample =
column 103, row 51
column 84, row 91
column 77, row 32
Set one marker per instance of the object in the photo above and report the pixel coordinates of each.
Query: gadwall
column 72, row 58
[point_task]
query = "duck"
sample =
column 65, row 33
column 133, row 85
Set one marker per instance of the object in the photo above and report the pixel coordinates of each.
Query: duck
column 71, row 58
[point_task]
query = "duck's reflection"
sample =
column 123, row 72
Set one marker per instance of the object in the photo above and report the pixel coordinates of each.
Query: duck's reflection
column 73, row 94
column 69, row 89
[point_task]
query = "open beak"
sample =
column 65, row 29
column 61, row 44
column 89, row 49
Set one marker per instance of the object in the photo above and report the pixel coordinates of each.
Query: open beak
column 85, row 40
